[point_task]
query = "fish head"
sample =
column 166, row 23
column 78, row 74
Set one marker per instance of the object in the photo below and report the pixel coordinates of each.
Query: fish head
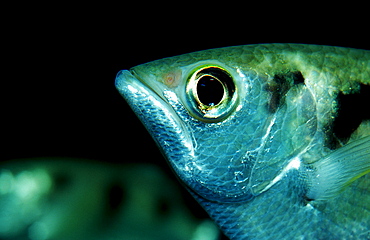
column 218, row 120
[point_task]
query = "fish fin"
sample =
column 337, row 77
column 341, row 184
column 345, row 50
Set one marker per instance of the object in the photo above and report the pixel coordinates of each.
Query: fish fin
column 340, row 168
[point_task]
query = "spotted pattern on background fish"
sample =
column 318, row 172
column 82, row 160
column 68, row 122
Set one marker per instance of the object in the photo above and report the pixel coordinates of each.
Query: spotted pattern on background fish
column 267, row 160
column 65, row 198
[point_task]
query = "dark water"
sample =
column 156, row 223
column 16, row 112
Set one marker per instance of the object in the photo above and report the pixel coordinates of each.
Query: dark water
column 58, row 86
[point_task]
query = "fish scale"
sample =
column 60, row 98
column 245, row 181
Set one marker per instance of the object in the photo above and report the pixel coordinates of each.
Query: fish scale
column 266, row 169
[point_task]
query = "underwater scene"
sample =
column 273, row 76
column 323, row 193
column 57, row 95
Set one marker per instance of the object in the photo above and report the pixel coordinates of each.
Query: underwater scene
column 77, row 161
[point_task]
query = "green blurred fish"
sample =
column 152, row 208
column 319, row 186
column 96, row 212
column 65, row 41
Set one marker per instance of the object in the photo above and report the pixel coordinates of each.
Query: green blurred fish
column 70, row 199
column 272, row 140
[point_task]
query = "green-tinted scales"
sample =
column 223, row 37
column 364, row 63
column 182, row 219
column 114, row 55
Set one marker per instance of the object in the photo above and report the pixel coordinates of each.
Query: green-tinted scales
column 266, row 160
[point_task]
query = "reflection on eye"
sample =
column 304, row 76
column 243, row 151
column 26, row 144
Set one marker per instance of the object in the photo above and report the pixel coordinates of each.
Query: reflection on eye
column 210, row 90
column 212, row 93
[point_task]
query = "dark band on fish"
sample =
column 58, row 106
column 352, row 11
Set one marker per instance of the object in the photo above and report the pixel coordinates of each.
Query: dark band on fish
column 352, row 110
column 279, row 85
column 116, row 196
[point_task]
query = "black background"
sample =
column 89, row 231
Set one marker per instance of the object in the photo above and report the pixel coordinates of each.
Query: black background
column 59, row 65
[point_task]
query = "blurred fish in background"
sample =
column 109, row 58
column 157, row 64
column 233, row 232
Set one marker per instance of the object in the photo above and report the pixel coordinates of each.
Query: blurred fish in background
column 60, row 199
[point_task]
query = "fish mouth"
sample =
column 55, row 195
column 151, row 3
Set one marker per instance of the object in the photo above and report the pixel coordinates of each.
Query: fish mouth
column 131, row 79
column 133, row 85
column 142, row 80
column 141, row 96
column 170, row 131
column 156, row 113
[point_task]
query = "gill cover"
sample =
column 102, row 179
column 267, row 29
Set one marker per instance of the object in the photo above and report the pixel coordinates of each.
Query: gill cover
column 258, row 162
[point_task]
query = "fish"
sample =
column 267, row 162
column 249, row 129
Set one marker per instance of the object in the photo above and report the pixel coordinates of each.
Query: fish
column 55, row 198
column 273, row 140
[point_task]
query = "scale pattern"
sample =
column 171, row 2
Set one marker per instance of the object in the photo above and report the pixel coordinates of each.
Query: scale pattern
column 230, row 166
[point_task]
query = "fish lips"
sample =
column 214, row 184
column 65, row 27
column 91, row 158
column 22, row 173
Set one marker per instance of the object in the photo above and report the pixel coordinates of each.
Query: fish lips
column 159, row 118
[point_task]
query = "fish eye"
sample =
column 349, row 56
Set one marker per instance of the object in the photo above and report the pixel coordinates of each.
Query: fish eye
column 210, row 90
column 211, row 93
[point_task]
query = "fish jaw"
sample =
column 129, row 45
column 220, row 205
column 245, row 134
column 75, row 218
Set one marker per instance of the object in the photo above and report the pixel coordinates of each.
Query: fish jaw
column 163, row 124
column 162, row 112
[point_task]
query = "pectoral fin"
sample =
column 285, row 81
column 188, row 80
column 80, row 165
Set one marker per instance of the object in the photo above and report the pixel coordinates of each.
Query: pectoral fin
column 340, row 168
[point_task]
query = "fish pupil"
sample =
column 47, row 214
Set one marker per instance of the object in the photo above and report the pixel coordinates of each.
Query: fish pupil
column 210, row 90
column 211, row 94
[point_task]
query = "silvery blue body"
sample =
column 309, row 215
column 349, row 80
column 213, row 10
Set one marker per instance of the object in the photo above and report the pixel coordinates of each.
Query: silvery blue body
column 259, row 160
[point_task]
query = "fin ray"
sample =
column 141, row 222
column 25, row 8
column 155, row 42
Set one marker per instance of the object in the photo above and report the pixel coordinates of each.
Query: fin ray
column 340, row 168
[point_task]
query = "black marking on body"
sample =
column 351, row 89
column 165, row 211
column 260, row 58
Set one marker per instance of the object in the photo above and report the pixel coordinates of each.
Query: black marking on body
column 163, row 207
column 352, row 110
column 279, row 85
column 62, row 181
column 115, row 197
